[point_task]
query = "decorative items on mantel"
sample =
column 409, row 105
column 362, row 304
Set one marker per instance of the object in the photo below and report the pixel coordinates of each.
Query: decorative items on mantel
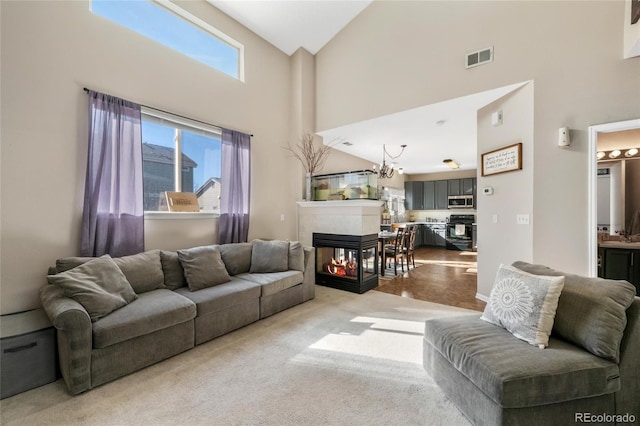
column 311, row 156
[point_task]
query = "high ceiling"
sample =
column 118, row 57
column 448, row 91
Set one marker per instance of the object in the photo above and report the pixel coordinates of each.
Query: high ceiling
column 431, row 133
column 289, row 25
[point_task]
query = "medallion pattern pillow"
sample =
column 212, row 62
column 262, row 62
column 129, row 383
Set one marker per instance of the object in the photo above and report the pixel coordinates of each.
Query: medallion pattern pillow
column 524, row 304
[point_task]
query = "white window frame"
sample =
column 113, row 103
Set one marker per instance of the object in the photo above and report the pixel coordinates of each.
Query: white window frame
column 173, row 120
column 210, row 29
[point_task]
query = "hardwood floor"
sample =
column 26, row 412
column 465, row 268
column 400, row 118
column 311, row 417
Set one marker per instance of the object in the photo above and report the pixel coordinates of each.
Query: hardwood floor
column 442, row 276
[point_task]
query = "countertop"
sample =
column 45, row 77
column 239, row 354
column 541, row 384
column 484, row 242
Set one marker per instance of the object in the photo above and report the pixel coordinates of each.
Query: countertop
column 422, row 223
column 619, row 244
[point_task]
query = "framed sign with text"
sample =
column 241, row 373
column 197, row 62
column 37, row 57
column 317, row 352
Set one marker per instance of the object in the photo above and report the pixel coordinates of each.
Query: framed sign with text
column 502, row 160
column 182, row 201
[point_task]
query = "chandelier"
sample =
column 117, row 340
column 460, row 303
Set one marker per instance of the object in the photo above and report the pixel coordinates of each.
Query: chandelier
column 387, row 171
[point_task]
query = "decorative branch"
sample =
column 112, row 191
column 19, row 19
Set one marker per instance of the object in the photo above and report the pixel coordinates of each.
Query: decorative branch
column 311, row 157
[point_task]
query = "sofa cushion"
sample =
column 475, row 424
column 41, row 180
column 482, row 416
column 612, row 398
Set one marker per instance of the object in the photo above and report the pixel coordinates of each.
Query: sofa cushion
column 151, row 311
column 524, row 304
column 274, row 282
column 203, row 267
column 269, row 256
column 296, row 256
column 173, row 272
column 143, row 270
column 515, row 374
column 98, row 285
column 236, row 257
column 591, row 311
column 223, row 296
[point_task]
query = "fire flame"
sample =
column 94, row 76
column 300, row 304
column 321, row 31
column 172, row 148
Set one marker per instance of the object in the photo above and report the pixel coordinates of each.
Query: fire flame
column 341, row 268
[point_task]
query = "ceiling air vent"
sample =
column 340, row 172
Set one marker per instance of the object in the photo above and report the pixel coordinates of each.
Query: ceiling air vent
column 479, row 57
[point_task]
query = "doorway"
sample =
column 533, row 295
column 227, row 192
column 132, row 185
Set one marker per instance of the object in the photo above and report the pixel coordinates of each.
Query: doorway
column 593, row 184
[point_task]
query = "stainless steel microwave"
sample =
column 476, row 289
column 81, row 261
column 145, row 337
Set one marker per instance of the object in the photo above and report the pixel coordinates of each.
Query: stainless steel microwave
column 460, row 201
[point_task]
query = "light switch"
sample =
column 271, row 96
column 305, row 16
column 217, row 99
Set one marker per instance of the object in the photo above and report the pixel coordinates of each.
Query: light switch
column 494, row 218
column 522, row 219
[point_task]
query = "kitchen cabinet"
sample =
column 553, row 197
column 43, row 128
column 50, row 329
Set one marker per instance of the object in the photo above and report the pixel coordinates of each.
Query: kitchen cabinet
column 434, row 235
column 429, row 195
column 467, row 186
column 461, row 186
column 620, row 264
column 433, row 194
column 453, row 186
column 442, row 199
column 440, row 237
column 414, row 195
column 428, row 236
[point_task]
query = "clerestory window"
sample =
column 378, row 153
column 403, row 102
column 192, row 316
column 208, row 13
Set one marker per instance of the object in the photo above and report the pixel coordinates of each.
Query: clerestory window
column 173, row 27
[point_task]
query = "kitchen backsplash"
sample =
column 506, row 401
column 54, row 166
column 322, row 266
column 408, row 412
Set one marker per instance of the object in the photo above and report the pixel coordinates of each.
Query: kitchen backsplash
column 435, row 215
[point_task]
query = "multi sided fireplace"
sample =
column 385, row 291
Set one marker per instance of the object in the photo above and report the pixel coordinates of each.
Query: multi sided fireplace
column 346, row 262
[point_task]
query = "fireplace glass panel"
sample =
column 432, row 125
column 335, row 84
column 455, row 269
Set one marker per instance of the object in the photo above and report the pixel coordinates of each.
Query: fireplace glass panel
column 346, row 262
column 343, row 262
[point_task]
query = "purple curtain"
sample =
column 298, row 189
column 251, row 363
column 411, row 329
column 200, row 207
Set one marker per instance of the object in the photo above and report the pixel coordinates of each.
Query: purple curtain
column 234, row 199
column 113, row 214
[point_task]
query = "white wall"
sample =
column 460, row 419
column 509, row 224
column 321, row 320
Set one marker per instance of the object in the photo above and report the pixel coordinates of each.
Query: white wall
column 631, row 33
column 400, row 55
column 50, row 51
column 505, row 241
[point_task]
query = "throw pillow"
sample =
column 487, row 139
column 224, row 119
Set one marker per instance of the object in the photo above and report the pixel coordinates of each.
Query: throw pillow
column 296, row 256
column 591, row 311
column 203, row 267
column 172, row 269
column 236, row 257
column 524, row 304
column 269, row 256
column 98, row 285
column 67, row 263
column 143, row 270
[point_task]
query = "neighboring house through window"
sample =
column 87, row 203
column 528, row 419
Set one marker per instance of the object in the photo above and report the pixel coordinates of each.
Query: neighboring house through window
column 196, row 169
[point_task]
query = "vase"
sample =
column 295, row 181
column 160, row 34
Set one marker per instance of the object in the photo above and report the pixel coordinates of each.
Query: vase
column 307, row 193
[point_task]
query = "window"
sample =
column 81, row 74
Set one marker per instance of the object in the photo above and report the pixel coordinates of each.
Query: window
column 196, row 168
column 171, row 26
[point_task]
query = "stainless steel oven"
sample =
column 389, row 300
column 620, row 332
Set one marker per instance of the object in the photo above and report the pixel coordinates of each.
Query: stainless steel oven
column 460, row 201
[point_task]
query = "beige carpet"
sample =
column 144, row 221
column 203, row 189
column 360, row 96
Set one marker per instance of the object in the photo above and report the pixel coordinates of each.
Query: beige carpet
column 341, row 359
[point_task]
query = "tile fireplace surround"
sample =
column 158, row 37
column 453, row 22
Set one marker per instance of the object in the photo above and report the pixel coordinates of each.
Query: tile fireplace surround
column 348, row 217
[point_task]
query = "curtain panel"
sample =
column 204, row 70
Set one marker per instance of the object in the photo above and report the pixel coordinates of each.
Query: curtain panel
column 234, row 198
column 113, row 213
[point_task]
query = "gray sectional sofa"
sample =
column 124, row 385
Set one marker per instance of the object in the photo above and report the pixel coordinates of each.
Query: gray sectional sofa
column 116, row 316
column 589, row 372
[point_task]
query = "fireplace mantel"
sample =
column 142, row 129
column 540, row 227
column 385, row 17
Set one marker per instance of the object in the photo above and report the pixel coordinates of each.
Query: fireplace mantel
column 348, row 217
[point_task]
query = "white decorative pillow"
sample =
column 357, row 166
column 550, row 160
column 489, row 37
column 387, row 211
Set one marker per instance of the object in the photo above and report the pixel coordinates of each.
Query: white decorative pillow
column 524, row 304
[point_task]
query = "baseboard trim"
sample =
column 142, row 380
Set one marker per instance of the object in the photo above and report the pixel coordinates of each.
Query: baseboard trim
column 482, row 297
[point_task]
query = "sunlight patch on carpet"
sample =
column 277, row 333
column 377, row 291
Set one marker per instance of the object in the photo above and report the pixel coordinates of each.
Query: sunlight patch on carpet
column 397, row 340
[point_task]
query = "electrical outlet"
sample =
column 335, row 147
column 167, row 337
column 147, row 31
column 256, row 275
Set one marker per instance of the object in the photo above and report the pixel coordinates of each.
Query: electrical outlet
column 522, row 219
